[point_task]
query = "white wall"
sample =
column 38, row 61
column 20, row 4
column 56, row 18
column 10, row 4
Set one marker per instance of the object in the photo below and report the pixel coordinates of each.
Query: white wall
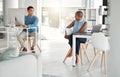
column 11, row 3
column 114, row 56
column 1, row 6
column 26, row 3
column 34, row 3
column 21, row 4
column 64, row 3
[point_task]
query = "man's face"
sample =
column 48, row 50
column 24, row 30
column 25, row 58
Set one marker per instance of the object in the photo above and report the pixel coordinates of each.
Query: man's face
column 78, row 17
column 30, row 11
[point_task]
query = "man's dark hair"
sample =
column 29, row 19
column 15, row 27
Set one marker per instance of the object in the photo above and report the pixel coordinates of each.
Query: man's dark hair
column 79, row 13
column 30, row 7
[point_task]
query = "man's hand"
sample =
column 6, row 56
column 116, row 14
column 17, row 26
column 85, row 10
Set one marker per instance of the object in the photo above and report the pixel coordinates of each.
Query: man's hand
column 25, row 26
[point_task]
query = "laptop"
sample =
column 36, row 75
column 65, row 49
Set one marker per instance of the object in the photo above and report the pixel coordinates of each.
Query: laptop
column 96, row 29
column 19, row 21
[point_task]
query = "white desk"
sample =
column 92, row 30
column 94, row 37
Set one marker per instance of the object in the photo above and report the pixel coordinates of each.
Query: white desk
column 6, row 30
column 2, row 48
column 78, row 35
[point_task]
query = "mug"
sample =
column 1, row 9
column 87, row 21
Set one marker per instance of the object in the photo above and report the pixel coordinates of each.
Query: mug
column 68, row 31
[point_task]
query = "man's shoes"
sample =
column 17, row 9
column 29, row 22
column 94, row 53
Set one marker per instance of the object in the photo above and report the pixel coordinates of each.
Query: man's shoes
column 33, row 51
column 24, row 49
column 32, row 48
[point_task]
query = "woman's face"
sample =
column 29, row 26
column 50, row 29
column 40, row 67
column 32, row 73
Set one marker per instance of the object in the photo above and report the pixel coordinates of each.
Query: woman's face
column 78, row 17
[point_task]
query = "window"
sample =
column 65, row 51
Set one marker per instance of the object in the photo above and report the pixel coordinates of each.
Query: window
column 1, row 11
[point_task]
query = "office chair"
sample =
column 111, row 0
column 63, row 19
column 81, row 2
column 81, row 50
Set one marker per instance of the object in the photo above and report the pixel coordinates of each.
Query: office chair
column 101, row 44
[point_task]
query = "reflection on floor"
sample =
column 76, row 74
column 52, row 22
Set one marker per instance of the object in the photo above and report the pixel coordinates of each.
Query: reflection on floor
column 53, row 53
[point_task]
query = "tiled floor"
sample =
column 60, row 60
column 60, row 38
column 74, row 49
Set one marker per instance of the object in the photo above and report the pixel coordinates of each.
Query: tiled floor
column 53, row 53
column 54, row 50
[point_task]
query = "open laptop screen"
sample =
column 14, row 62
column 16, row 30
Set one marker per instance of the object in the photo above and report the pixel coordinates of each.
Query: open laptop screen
column 96, row 28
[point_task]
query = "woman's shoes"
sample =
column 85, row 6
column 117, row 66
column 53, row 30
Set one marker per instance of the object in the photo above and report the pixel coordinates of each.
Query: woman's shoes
column 24, row 49
column 32, row 49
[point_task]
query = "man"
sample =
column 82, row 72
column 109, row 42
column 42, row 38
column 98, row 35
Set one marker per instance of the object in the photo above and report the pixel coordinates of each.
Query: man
column 31, row 22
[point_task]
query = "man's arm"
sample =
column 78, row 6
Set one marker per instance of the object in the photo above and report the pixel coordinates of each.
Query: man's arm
column 82, row 29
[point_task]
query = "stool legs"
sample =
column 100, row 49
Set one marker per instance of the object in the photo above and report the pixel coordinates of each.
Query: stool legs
column 85, row 52
column 21, row 46
column 84, row 48
column 103, row 61
column 105, row 67
column 93, row 61
column 95, row 51
column 39, row 48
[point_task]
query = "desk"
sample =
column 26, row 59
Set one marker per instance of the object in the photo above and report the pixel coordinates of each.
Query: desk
column 7, row 31
column 78, row 35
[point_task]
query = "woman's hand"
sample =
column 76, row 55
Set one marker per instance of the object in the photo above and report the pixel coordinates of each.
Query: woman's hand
column 66, row 36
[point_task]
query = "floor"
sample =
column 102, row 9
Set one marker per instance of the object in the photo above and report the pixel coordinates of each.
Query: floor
column 53, row 53
column 54, row 48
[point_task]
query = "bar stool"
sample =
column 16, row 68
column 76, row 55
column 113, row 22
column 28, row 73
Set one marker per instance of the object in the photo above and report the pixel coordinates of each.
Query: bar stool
column 83, row 48
column 29, row 42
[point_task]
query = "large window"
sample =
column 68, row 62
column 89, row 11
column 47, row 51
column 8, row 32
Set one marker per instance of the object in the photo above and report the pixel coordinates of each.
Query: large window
column 57, row 14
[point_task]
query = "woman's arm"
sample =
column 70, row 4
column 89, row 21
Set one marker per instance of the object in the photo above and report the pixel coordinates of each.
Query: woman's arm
column 82, row 29
column 70, row 25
